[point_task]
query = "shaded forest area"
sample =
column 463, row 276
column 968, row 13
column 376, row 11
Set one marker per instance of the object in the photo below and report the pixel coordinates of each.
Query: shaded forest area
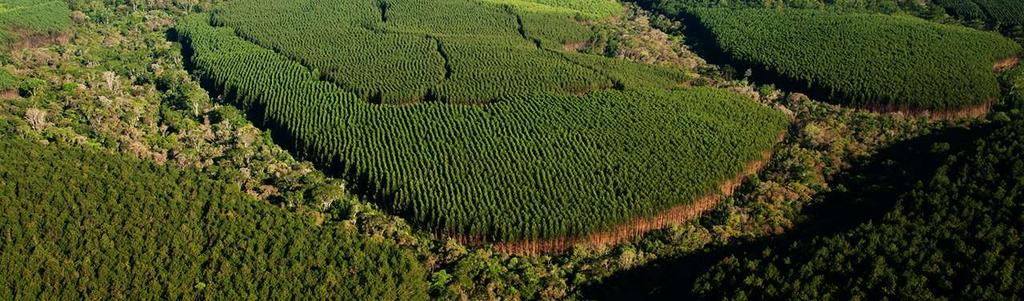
column 118, row 86
column 897, row 226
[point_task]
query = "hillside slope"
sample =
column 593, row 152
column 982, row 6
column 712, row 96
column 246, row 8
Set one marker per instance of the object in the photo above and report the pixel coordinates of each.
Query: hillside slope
column 888, row 63
column 86, row 225
column 957, row 234
column 529, row 166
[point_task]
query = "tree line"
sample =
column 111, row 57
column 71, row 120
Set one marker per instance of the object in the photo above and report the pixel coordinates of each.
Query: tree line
column 529, row 167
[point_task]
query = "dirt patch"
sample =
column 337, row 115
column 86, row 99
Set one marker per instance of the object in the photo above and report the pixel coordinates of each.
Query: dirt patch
column 31, row 39
column 673, row 216
column 1005, row 64
column 574, row 46
column 9, row 94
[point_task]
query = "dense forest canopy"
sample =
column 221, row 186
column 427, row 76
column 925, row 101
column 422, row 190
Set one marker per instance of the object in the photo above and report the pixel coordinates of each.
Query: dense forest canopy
column 866, row 60
column 529, row 166
column 956, row 235
column 409, row 51
column 1003, row 16
column 157, row 149
column 88, row 225
column 1000, row 12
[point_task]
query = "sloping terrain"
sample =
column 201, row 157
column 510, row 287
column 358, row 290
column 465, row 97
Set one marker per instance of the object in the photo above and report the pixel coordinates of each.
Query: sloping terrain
column 31, row 17
column 531, row 165
column 888, row 63
column 87, row 225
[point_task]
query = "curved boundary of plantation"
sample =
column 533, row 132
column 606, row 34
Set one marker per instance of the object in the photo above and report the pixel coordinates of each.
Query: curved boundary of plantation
column 710, row 47
column 674, row 216
column 710, row 135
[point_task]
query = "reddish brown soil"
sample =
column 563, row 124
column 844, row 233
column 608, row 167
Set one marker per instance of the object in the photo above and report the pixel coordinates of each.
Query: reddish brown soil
column 1005, row 64
column 30, row 39
column 9, row 94
column 673, row 216
column 574, row 46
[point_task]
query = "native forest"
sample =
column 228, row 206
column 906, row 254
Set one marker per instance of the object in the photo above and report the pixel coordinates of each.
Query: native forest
column 511, row 150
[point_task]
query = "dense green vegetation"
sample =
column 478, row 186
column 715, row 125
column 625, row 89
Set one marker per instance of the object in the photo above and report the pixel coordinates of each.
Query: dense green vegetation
column 580, row 8
column 7, row 81
column 414, row 50
column 537, row 166
column 87, row 225
column 1003, row 16
column 956, row 235
column 137, row 100
column 924, row 66
column 1002, row 12
column 119, row 86
column 32, row 15
column 672, row 7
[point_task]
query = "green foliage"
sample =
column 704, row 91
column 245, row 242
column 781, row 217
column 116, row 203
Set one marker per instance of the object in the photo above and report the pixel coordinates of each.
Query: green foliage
column 956, row 235
column 582, row 8
column 965, row 9
column 535, row 166
column 1005, row 12
column 882, row 6
column 86, row 225
column 32, row 86
column 1003, row 16
column 554, row 29
column 922, row 65
column 408, row 51
column 7, row 80
column 1013, row 81
column 32, row 15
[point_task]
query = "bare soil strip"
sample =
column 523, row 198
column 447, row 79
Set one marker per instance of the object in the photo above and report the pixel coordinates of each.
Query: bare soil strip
column 574, row 46
column 677, row 215
column 29, row 39
column 9, row 94
column 1005, row 64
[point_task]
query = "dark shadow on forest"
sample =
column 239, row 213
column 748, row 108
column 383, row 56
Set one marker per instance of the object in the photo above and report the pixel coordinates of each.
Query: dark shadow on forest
column 699, row 39
column 861, row 194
